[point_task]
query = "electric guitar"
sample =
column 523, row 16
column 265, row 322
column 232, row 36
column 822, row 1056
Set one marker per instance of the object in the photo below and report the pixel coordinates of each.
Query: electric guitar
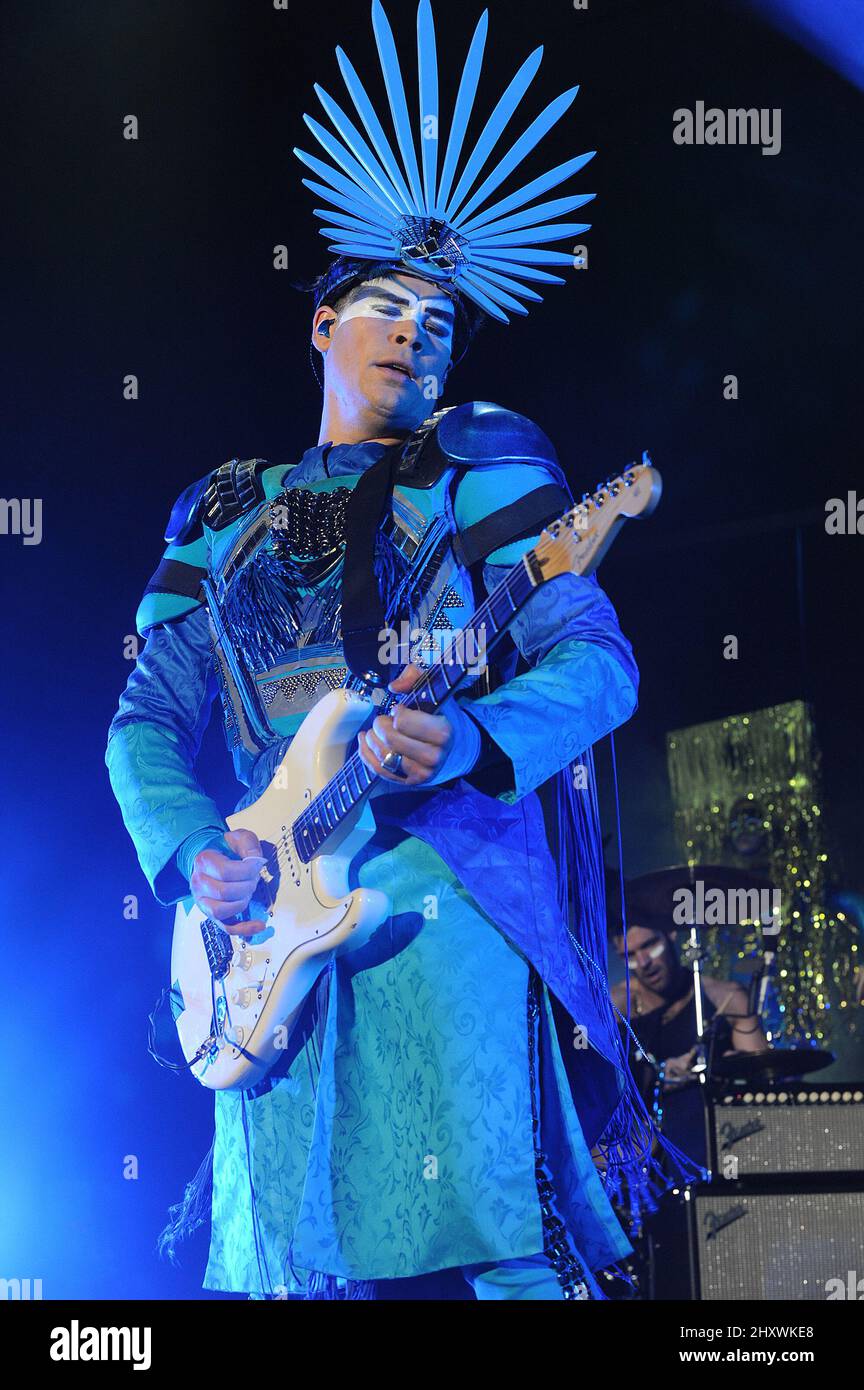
column 236, row 998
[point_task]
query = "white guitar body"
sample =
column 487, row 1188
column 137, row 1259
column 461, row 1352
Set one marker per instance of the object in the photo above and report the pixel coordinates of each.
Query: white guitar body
column 248, row 1014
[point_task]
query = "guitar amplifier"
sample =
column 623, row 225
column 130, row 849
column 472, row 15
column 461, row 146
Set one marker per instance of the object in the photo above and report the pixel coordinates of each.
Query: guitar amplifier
column 801, row 1246
column 792, row 1129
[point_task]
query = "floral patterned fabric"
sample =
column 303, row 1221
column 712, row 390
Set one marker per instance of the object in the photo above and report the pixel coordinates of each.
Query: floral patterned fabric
column 410, row 1148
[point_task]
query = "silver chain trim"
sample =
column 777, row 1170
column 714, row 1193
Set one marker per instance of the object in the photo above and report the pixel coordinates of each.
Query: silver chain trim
column 569, row 1270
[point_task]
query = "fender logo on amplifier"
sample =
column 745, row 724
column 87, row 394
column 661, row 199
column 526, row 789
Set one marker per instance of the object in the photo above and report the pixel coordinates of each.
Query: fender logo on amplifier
column 714, row 1223
column 730, row 1134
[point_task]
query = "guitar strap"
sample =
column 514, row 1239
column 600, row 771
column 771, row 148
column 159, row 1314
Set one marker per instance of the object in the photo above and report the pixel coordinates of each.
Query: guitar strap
column 362, row 608
column 419, row 459
column 515, row 522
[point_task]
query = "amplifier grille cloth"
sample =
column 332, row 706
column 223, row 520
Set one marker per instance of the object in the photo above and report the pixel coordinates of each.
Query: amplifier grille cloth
column 784, row 1138
column 778, row 1246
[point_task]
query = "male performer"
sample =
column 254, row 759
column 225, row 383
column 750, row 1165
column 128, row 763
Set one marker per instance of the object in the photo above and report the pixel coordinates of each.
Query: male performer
column 663, row 1012
column 421, row 1118
column 661, row 993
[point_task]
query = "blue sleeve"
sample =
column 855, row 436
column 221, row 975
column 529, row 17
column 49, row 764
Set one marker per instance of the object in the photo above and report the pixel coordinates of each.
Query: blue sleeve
column 584, row 680
column 153, row 743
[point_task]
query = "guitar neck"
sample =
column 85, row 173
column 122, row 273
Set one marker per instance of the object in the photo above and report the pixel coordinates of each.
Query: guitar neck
column 575, row 543
column 487, row 625
column 343, row 792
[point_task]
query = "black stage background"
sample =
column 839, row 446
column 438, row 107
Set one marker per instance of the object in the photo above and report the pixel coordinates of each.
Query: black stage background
column 155, row 257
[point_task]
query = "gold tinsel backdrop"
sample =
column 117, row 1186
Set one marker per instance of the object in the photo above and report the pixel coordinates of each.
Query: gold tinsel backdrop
column 746, row 792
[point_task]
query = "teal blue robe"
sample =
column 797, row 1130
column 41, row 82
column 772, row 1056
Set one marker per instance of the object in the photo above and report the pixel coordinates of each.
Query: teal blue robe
column 403, row 1145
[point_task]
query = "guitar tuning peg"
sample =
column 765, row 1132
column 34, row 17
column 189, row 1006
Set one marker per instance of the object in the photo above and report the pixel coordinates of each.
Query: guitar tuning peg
column 646, row 458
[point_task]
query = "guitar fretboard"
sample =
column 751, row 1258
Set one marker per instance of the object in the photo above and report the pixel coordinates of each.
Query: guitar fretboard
column 342, row 793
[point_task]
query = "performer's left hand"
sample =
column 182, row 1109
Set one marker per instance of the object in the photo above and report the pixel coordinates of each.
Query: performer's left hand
column 426, row 741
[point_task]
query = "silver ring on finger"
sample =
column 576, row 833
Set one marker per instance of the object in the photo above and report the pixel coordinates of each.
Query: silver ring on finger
column 392, row 762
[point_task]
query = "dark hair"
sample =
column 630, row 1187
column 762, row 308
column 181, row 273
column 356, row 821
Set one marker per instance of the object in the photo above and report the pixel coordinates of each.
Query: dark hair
column 342, row 299
column 646, row 920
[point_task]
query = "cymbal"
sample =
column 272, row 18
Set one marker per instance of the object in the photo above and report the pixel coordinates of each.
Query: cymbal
column 652, row 894
column 774, row 1065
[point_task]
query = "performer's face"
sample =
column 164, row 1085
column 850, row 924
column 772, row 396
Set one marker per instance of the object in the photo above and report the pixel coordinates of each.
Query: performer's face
column 394, row 318
column 650, row 957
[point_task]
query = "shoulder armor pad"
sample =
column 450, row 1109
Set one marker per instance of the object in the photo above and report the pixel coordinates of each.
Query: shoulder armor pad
column 217, row 499
column 184, row 513
column 480, row 432
column 471, row 435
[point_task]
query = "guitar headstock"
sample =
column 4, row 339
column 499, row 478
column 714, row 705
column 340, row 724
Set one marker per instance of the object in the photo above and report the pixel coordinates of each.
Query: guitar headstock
column 579, row 539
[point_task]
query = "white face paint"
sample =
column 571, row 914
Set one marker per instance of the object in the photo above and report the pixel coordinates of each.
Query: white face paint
column 653, row 952
column 386, row 298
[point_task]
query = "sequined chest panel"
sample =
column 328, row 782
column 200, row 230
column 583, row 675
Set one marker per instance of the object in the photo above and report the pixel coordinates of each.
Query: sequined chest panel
column 276, row 578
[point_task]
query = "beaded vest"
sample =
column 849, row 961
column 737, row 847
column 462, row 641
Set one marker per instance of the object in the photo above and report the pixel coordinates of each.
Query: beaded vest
column 274, row 597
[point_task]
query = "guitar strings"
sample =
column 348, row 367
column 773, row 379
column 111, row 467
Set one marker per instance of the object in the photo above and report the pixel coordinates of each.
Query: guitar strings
column 355, row 762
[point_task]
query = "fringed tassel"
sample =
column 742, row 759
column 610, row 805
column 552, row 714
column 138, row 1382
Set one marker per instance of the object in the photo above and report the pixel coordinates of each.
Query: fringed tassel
column 265, row 602
column 328, row 624
column 409, row 580
column 390, row 568
column 640, row 1163
column 330, row 1286
column 261, row 601
column 192, row 1211
column 581, row 886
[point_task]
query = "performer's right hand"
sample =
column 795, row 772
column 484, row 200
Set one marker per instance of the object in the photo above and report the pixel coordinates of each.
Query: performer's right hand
column 222, row 887
column 678, row 1069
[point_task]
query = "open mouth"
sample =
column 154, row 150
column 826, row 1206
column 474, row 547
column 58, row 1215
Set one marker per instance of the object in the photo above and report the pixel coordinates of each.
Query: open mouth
column 395, row 369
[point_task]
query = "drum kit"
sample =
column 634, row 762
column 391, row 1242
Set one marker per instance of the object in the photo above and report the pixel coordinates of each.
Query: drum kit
column 657, row 897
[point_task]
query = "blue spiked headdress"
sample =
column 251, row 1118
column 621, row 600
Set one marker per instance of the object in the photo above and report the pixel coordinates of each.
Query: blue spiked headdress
column 396, row 216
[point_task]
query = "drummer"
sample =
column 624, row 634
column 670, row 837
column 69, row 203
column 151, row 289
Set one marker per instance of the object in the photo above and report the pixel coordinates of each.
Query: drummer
column 663, row 1007
column 663, row 1018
